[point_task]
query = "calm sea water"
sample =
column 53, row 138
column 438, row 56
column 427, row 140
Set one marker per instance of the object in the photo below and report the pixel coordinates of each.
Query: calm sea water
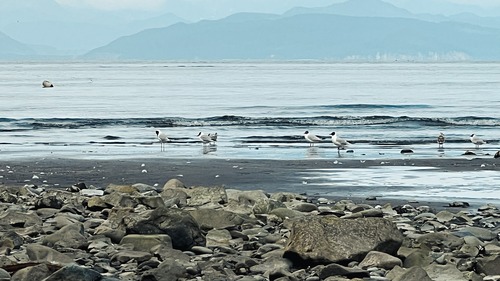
column 259, row 109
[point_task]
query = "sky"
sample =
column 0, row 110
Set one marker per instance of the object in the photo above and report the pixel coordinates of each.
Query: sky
column 115, row 4
column 158, row 4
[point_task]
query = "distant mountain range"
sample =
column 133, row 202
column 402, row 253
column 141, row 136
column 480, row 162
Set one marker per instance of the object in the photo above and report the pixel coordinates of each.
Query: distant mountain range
column 352, row 30
column 308, row 36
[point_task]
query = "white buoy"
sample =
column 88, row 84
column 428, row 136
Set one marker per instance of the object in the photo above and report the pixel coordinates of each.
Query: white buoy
column 47, row 84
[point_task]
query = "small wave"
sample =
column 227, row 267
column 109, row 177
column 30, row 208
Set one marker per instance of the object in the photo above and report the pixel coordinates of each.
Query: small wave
column 234, row 120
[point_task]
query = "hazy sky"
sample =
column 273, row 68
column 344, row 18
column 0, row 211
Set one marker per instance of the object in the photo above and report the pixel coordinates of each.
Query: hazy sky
column 115, row 4
column 157, row 4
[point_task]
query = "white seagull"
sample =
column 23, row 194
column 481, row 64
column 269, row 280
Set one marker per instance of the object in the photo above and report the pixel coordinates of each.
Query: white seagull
column 440, row 140
column 339, row 142
column 477, row 141
column 162, row 137
column 311, row 138
column 207, row 138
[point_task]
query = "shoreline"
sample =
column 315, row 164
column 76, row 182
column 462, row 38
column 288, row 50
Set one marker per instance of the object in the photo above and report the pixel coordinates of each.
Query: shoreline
column 243, row 174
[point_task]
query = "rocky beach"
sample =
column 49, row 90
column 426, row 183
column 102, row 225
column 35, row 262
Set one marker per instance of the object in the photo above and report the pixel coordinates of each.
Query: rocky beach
column 181, row 219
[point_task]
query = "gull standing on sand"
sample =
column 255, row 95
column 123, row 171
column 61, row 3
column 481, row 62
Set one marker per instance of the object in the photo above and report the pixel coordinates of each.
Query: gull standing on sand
column 440, row 140
column 162, row 137
column 210, row 138
column 477, row 141
column 339, row 142
column 311, row 138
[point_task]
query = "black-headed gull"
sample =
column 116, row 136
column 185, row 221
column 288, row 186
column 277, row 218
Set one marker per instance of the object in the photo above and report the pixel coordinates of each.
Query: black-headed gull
column 339, row 142
column 162, row 137
column 311, row 138
column 477, row 141
column 210, row 138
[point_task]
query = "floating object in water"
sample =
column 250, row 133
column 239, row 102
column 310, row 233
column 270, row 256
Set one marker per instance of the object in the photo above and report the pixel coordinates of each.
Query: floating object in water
column 497, row 155
column 47, row 84
column 468, row 152
column 406, row 151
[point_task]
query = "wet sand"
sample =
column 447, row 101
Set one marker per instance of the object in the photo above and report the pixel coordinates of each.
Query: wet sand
column 267, row 175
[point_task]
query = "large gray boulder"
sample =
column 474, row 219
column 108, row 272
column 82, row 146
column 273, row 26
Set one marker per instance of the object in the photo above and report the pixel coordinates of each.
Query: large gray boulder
column 178, row 224
column 329, row 239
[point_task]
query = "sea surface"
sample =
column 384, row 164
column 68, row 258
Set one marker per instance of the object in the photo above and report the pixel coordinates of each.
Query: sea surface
column 260, row 110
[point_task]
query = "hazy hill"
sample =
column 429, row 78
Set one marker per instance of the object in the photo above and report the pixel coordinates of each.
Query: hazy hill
column 52, row 26
column 308, row 36
column 11, row 48
column 357, row 8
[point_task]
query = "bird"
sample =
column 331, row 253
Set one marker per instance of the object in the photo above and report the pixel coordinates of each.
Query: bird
column 311, row 138
column 440, row 140
column 213, row 136
column 477, row 141
column 339, row 142
column 207, row 138
column 162, row 137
